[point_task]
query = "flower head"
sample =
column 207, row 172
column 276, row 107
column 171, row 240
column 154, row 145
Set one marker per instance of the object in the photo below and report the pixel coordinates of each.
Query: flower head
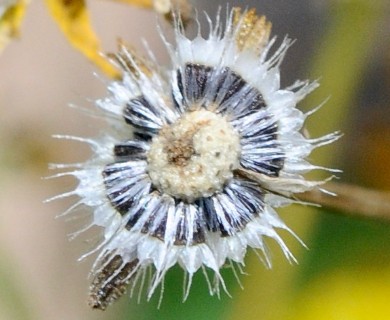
column 197, row 157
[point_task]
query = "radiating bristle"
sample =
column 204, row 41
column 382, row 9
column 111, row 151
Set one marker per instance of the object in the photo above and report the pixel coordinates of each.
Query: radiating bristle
column 194, row 160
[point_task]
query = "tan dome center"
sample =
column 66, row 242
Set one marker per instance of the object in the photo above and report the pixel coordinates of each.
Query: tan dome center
column 195, row 156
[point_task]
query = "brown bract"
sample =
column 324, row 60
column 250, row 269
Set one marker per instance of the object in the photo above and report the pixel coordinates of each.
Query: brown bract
column 111, row 282
column 129, row 60
column 253, row 30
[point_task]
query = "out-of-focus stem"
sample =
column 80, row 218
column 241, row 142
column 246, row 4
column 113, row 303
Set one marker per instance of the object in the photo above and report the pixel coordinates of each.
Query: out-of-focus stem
column 351, row 200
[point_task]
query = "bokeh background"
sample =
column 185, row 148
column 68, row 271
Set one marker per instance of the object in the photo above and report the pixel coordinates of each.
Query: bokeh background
column 344, row 275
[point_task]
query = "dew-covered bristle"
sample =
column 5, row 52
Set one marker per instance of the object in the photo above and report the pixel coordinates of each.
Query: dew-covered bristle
column 195, row 159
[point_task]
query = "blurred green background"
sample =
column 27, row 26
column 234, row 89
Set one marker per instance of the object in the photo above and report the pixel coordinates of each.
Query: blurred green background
column 344, row 275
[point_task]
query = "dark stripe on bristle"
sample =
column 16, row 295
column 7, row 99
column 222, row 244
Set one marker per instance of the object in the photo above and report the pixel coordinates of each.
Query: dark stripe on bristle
column 247, row 199
column 142, row 136
column 275, row 165
column 249, row 194
column 211, row 218
column 261, row 133
column 129, row 150
column 270, row 167
column 192, row 83
column 202, row 75
column 156, row 225
column 142, row 124
column 150, row 227
column 207, row 207
column 135, row 216
column 129, row 112
column 198, row 230
column 209, row 85
column 229, row 82
column 122, row 195
column 198, row 235
column 239, row 98
column 195, row 79
column 267, row 136
column 179, row 104
column 121, row 207
column 236, row 222
column 257, row 101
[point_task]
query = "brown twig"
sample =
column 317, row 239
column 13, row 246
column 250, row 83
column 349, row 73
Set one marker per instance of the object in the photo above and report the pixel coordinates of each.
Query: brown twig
column 351, row 200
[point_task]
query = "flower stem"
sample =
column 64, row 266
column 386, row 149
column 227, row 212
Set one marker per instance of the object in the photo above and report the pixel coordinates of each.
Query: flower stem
column 351, row 200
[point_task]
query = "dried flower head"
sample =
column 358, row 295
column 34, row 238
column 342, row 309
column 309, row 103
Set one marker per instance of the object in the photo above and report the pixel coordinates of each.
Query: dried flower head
column 197, row 157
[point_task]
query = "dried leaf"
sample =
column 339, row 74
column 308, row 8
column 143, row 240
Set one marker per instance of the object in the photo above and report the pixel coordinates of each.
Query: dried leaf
column 11, row 16
column 73, row 19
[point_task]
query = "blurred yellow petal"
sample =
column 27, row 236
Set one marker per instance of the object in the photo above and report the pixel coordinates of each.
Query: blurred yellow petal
column 73, row 19
column 11, row 15
column 165, row 7
column 161, row 6
column 140, row 3
column 347, row 295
